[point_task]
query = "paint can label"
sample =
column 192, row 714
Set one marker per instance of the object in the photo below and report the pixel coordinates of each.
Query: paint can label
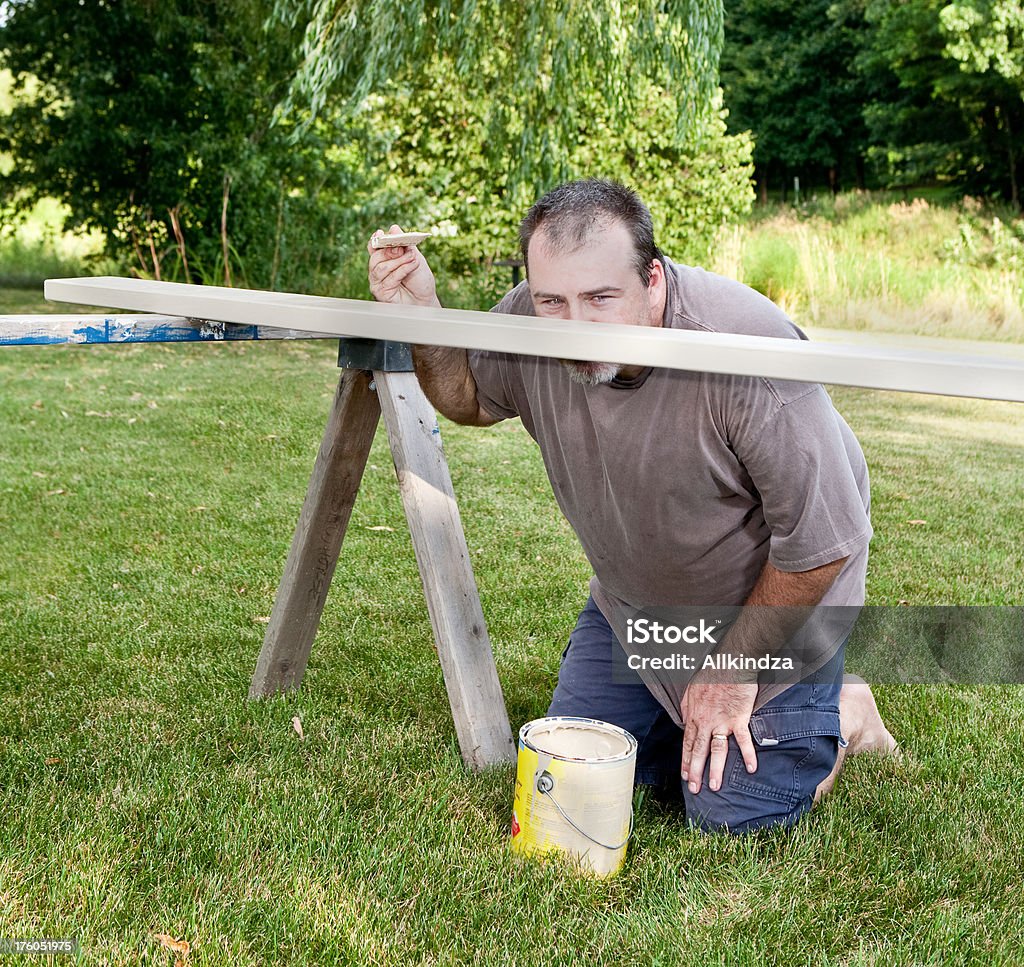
column 574, row 791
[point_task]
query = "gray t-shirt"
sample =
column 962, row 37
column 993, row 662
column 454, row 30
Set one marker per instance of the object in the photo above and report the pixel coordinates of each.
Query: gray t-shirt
column 681, row 485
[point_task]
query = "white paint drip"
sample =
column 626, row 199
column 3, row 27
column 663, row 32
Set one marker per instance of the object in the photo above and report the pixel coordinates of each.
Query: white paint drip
column 212, row 330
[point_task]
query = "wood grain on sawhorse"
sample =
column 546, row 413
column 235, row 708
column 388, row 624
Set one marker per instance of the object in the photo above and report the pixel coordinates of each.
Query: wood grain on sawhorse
column 463, row 646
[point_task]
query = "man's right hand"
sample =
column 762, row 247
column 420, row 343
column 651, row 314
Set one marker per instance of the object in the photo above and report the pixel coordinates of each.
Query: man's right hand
column 401, row 274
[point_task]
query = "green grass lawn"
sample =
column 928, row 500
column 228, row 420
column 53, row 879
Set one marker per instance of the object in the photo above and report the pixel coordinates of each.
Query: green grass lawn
column 31, row 302
column 148, row 495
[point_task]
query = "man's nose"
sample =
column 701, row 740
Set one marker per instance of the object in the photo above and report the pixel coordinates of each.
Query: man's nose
column 580, row 310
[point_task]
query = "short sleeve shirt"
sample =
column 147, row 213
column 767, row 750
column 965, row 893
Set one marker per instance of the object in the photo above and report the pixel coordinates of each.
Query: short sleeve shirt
column 681, row 485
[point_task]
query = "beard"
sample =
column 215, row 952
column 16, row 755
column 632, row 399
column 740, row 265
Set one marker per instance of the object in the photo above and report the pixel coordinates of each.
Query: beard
column 595, row 374
column 591, row 374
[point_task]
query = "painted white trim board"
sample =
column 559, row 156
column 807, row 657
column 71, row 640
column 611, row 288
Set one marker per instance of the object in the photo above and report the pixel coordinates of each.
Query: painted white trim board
column 873, row 367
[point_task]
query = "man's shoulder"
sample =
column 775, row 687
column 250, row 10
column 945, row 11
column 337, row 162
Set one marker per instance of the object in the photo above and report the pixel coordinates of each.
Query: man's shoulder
column 707, row 302
column 699, row 299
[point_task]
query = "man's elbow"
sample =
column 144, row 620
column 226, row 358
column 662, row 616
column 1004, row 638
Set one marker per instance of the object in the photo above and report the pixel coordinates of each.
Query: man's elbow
column 474, row 415
column 483, row 418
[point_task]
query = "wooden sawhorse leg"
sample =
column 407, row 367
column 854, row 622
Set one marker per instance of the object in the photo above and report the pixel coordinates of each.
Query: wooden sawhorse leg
column 460, row 633
column 316, row 542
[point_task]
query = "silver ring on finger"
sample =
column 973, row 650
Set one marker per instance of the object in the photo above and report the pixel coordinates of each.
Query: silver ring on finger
column 719, row 737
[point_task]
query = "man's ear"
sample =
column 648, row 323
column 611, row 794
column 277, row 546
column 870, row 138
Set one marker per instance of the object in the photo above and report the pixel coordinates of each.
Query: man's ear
column 657, row 276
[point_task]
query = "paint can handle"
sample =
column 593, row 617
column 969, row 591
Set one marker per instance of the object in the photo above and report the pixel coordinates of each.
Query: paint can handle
column 545, row 785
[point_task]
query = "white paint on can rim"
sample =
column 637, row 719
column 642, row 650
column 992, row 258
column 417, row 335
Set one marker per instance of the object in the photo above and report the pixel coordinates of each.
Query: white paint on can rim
column 574, row 791
column 582, row 740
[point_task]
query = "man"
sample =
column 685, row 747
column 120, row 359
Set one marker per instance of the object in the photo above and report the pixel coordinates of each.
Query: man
column 685, row 490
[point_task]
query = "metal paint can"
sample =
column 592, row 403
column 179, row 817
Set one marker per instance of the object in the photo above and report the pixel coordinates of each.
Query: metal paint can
column 574, row 791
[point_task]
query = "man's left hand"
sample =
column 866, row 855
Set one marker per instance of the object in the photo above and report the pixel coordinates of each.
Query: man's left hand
column 711, row 713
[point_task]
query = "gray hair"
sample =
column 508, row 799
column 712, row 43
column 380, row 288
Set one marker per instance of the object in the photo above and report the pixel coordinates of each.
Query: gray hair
column 571, row 213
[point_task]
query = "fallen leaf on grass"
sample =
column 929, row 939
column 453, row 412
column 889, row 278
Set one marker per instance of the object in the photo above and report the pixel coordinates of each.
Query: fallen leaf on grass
column 53, row 493
column 178, row 946
column 390, row 530
column 263, row 619
column 917, row 522
column 51, row 762
column 297, row 725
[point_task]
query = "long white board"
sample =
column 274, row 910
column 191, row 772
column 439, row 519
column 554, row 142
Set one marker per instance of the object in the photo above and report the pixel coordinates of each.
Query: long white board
column 874, row 367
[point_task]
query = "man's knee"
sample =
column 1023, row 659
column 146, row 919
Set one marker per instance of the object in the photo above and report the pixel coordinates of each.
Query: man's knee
column 711, row 812
column 777, row 795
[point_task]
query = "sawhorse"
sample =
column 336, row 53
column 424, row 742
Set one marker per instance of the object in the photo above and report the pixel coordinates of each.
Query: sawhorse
column 378, row 379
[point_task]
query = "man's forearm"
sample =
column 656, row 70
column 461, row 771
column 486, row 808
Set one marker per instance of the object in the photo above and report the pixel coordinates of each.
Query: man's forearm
column 448, row 383
column 778, row 606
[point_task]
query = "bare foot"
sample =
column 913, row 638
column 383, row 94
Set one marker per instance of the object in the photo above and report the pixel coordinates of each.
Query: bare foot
column 860, row 722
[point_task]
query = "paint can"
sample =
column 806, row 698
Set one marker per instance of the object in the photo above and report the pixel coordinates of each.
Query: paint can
column 574, row 791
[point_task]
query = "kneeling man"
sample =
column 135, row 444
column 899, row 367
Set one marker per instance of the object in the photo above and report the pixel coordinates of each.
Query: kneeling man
column 688, row 491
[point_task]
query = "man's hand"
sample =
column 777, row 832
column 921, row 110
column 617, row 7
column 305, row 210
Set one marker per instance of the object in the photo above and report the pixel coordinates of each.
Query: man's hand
column 711, row 710
column 778, row 605
column 401, row 274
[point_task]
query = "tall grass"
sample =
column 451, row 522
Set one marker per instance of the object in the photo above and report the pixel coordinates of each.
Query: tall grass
column 874, row 262
column 35, row 248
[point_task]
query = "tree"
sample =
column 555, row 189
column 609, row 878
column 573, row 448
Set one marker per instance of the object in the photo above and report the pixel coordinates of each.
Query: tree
column 434, row 170
column 789, row 77
column 986, row 38
column 174, row 130
column 547, row 61
column 916, row 135
column 943, row 106
column 153, row 123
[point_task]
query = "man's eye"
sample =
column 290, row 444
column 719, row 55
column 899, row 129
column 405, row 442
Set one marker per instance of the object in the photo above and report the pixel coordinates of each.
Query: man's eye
column 599, row 299
column 552, row 302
